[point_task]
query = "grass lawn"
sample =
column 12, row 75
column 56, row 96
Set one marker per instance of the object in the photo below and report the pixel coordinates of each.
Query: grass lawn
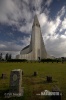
column 33, row 85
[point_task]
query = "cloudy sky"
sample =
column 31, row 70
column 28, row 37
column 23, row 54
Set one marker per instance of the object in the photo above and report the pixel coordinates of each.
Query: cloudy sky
column 16, row 19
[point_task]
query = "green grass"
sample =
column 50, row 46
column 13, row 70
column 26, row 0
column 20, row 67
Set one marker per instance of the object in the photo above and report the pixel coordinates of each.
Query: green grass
column 33, row 85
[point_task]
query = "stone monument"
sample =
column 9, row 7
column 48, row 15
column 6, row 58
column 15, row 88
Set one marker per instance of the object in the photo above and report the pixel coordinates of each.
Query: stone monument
column 16, row 82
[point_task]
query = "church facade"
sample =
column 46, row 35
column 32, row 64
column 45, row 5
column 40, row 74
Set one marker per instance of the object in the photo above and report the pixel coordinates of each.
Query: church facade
column 36, row 50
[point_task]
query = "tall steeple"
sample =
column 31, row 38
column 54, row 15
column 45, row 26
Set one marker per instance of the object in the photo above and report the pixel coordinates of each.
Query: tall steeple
column 36, row 22
column 36, row 50
column 37, row 42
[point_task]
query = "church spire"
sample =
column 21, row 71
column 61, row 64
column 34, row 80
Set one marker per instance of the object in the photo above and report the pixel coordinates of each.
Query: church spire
column 36, row 22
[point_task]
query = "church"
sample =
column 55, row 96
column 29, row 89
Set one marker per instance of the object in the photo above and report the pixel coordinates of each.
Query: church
column 36, row 49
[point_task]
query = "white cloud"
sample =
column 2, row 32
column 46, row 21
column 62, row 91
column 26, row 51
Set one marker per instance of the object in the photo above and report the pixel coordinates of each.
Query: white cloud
column 48, row 2
column 63, row 36
column 56, row 45
column 13, row 47
column 65, row 33
column 42, row 19
column 11, row 12
column 54, row 42
column 64, row 24
column 25, row 40
column 62, row 11
column 2, row 46
column 26, row 28
column 8, row 11
column 10, row 47
column 49, row 27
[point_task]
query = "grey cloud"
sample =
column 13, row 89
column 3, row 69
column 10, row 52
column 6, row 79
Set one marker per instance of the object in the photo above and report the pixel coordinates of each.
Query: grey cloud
column 9, row 46
column 56, row 47
column 48, row 2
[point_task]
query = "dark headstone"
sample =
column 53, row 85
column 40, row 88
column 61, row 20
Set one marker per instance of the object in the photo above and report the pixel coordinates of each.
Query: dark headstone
column 57, row 92
column 3, row 76
column 49, row 79
column 35, row 73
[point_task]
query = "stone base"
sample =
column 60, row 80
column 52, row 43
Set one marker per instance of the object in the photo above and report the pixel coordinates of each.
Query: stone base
column 11, row 94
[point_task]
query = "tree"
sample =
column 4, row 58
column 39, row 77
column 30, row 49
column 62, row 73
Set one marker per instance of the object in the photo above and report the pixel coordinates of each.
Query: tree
column 10, row 56
column 6, row 56
column 0, row 56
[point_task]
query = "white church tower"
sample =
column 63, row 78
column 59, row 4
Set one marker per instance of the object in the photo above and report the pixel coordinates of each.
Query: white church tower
column 36, row 50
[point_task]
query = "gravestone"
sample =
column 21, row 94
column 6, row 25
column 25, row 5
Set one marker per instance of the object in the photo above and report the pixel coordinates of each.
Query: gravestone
column 35, row 73
column 49, row 79
column 16, row 82
column 3, row 76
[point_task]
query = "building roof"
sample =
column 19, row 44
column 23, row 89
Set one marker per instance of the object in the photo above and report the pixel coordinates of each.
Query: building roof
column 25, row 47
